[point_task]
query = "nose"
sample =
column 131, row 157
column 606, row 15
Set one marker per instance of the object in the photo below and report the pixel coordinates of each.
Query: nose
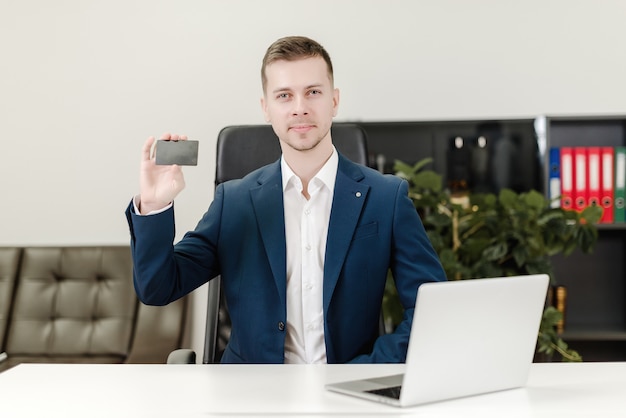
column 299, row 106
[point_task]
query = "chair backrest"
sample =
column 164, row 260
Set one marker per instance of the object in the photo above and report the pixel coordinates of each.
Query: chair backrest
column 241, row 150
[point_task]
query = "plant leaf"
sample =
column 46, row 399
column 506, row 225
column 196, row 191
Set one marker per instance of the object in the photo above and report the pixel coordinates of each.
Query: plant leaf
column 592, row 214
column 495, row 252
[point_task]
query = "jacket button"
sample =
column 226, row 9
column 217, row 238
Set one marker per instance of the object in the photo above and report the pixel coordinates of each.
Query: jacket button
column 281, row 326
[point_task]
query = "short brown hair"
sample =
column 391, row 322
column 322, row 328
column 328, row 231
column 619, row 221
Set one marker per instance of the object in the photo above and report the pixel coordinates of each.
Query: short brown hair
column 292, row 48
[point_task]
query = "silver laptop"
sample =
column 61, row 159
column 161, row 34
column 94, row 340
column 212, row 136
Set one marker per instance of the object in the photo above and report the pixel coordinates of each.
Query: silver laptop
column 468, row 337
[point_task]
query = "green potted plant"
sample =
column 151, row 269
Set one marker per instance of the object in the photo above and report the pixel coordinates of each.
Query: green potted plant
column 488, row 235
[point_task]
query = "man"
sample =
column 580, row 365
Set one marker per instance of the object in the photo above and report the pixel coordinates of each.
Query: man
column 303, row 245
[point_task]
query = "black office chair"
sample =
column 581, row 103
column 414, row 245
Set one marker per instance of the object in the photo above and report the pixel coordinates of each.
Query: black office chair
column 241, row 150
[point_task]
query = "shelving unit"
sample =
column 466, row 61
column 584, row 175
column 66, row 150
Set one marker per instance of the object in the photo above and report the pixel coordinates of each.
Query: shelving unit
column 411, row 142
column 595, row 322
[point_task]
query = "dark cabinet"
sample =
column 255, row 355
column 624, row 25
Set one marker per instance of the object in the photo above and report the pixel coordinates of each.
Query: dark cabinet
column 595, row 322
column 515, row 155
column 508, row 155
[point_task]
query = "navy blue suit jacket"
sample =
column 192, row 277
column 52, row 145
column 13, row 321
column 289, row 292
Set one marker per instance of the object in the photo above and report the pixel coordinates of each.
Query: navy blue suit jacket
column 373, row 227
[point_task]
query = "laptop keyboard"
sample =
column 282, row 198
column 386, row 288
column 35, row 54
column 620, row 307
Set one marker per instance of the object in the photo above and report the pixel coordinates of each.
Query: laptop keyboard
column 390, row 392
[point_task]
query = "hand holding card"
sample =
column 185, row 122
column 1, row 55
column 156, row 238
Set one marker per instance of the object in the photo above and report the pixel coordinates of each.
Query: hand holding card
column 161, row 176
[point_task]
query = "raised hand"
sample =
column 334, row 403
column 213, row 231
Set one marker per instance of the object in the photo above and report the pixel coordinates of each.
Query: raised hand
column 159, row 184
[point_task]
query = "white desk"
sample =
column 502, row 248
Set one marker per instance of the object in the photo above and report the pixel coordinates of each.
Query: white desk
column 46, row 390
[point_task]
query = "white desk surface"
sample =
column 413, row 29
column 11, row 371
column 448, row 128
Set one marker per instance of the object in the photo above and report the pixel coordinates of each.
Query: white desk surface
column 48, row 390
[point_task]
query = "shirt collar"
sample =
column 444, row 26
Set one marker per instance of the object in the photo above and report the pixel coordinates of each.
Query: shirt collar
column 327, row 174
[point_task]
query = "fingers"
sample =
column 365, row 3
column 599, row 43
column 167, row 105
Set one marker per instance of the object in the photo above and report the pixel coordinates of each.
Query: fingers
column 173, row 137
column 147, row 149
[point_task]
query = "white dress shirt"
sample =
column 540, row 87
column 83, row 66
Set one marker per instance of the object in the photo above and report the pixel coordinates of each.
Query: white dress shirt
column 306, row 229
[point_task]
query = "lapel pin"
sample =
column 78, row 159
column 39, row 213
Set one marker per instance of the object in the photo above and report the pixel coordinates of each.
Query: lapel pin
column 358, row 194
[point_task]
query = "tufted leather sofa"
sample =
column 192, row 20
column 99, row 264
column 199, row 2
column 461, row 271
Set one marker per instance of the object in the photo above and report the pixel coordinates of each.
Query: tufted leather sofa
column 78, row 305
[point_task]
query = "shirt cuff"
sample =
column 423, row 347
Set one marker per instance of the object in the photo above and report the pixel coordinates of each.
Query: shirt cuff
column 153, row 212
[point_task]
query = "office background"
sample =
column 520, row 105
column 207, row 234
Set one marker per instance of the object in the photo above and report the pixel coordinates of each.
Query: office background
column 83, row 83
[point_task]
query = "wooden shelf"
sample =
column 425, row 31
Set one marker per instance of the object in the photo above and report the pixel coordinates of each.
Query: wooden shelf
column 580, row 334
column 612, row 227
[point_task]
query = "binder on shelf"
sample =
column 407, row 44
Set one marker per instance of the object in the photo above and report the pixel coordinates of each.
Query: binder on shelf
column 594, row 171
column 607, row 156
column 554, row 177
column 620, row 184
column 567, row 177
column 580, row 178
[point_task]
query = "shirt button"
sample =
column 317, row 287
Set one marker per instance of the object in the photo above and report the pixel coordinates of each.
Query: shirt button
column 308, row 247
column 281, row 326
column 307, row 211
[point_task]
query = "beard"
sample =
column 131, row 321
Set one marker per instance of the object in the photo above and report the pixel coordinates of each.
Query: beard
column 302, row 143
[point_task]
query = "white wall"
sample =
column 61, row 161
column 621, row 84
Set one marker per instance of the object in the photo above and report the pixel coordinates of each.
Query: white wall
column 83, row 83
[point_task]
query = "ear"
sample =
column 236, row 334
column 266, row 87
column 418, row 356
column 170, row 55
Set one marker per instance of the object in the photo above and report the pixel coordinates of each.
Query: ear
column 264, row 109
column 335, row 102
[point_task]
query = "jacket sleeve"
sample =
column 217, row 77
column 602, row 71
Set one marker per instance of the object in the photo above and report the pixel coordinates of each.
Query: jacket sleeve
column 164, row 272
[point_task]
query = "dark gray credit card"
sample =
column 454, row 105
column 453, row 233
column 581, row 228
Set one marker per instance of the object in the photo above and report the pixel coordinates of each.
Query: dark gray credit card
column 176, row 152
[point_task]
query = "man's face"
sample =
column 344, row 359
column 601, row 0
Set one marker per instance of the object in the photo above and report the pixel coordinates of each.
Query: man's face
column 300, row 102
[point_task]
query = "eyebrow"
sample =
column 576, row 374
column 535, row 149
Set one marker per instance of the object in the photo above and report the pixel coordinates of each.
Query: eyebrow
column 278, row 90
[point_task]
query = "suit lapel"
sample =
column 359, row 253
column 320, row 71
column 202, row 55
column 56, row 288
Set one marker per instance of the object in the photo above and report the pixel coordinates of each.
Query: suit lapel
column 267, row 200
column 348, row 200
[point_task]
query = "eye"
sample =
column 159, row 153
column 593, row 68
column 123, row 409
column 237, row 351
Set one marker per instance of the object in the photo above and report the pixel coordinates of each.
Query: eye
column 315, row 92
column 282, row 96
